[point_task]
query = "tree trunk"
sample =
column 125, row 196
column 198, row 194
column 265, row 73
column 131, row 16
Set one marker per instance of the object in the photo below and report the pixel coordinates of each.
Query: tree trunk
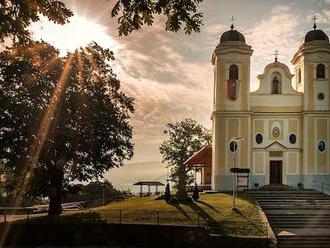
column 55, row 191
column 55, row 207
column 182, row 193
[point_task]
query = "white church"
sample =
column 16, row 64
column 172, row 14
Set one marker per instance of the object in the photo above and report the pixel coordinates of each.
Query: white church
column 282, row 129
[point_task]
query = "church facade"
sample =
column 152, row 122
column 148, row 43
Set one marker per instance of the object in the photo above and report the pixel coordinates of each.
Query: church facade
column 281, row 132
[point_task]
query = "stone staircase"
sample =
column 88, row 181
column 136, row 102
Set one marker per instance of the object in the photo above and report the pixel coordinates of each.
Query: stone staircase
column 298, row 218
column 315, row 241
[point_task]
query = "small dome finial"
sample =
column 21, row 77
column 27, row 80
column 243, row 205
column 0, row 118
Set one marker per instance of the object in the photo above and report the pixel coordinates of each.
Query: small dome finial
column 314, row 18
column 232, row 22
column 276, row 53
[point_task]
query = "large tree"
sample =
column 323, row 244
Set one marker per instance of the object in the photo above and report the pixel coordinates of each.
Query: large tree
column 183, row 140
column 62, row 119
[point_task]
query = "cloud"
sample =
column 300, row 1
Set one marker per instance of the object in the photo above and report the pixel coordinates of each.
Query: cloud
column 167, row 86
column 170, row 74
column 277, row 31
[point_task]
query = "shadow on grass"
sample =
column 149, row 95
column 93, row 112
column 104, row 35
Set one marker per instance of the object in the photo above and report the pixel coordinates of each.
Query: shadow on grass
column 208, row 219
column 265, row 232
column 180, row 209
column 208, row 205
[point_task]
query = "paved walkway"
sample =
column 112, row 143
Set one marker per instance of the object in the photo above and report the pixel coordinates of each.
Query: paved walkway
column 14, row 217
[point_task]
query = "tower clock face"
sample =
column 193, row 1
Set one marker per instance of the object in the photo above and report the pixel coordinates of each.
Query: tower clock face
column 276, row 132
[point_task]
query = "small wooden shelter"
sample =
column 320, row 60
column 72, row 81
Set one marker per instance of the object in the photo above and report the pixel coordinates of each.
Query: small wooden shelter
column 149, row 184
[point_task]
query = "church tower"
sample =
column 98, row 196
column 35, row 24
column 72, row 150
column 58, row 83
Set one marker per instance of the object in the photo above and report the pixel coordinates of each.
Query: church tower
column 230, row 117
column 312, row 67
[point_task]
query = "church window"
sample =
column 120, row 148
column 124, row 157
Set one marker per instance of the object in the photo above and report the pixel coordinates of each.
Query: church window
column 233, row 146
column 259, row 138
column 293, row 139
column 320, row 96
column 320, row 71
column 276, row 86
column 233, row 72
column 321, row 146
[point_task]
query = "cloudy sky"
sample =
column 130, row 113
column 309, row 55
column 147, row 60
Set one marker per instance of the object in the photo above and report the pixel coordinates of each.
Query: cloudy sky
column 170, row 74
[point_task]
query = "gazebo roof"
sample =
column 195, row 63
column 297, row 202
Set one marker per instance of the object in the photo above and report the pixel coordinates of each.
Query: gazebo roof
column 201, row 158
column 149, row 183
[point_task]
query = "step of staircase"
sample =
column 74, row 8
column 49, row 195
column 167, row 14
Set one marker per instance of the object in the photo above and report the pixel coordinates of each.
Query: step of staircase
column 304, row 210
column 312, row 241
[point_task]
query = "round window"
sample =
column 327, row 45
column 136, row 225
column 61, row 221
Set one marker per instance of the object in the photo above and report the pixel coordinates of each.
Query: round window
column 321, row 145
column 320, row 96
column 293, row 138
column 276, row 132
column 259, row 138
column 233, row 146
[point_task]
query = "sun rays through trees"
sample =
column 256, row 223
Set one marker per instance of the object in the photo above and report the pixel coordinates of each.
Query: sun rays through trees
column 62, row 119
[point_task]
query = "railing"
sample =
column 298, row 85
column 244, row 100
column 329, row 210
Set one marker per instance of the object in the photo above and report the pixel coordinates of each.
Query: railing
column 324, row 187
column 14, row 213
column 159, row 217
column 185, row 218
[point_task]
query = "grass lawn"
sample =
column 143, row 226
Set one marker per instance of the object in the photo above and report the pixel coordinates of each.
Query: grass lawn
column 213, row 210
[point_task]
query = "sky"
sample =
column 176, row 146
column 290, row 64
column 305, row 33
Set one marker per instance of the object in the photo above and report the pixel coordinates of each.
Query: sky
column 170, row 74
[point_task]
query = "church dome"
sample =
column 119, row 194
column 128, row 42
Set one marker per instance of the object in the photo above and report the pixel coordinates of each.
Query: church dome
column 232, row 35
column 316, row 34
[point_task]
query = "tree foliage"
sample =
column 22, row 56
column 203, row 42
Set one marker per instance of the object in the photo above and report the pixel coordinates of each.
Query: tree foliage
column 133, row 14
column 16, row 16
column 81, row 102
column 183, row 140
column 92, row 193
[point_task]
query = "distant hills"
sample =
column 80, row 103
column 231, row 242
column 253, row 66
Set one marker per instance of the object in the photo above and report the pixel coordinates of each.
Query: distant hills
column 124, row 177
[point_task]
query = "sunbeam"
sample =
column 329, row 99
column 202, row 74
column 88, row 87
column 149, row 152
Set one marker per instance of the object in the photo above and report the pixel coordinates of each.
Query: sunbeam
column 41, row 136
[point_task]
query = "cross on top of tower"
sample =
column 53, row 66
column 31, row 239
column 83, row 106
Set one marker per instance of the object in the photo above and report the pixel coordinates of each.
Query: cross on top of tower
column 314, row 19
column 232, row 19
column 276, row 53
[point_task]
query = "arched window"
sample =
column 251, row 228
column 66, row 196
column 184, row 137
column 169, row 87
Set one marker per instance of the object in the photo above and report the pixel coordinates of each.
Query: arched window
column 299, row 75
column 320, row 71
column 233, row 72
column 276, row 86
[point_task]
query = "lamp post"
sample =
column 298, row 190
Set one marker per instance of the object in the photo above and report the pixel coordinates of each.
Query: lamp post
column 233, row 148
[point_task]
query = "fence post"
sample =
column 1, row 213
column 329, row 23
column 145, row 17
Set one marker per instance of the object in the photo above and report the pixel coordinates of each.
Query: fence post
column 157, row 217
column 235, row 229
column 28, row 215
column 120, row 216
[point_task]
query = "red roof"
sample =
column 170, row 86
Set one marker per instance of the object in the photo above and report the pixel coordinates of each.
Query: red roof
column 201, row 158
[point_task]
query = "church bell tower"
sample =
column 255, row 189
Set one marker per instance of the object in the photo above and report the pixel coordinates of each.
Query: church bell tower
column 231, row 117
column 312, row 69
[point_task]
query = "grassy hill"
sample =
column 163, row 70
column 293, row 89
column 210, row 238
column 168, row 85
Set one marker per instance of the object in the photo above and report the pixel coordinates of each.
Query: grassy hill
column 212, row 210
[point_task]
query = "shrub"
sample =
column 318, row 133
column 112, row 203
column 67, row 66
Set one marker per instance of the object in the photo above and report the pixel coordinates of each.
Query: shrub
column 195, row 195
column 167, row 193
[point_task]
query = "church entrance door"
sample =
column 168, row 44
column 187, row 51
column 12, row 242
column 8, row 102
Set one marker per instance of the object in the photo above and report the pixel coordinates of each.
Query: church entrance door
column 275, row 173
